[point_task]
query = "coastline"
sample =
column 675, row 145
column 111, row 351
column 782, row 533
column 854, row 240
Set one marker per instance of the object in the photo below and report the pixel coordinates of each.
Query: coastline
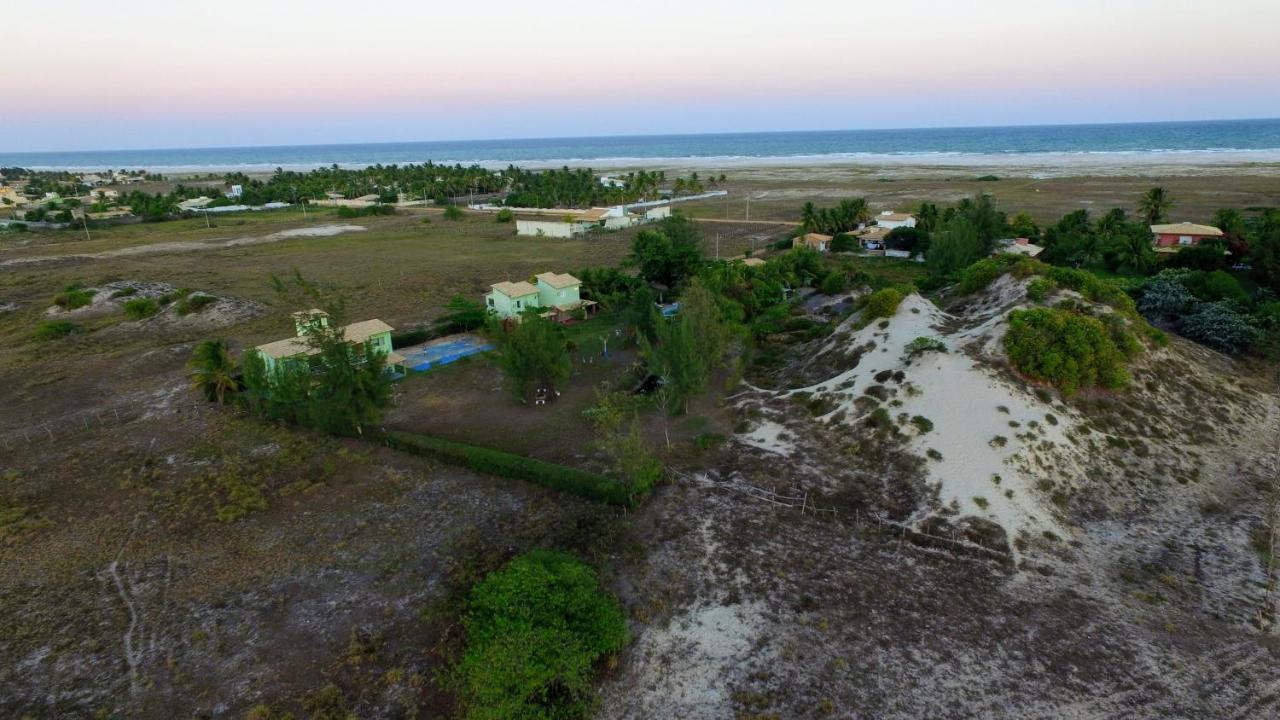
column 1030, row 165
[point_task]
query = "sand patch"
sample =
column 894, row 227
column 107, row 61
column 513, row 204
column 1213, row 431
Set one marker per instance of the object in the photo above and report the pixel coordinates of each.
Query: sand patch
column 192, row 245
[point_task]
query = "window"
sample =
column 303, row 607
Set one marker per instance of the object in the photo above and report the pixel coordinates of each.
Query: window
column 490, row 302
column 1184, row 240
column 519, row 304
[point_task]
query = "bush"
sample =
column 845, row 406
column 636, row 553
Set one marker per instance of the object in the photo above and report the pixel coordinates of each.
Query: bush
column 882, row 304
column 505, row 215
column 1038, row 289
column 73, row 296
column 140, row 308
column 53, row 330
column 372, row 210
column 124, row 292
column 535, row 631
column 833, row 284
column 504, row 464
column 194, row 303
column 980, row 274
column 1220, row 326
column 844, row 242
column 1070, row 351
column 453, row 212
column 925, row 344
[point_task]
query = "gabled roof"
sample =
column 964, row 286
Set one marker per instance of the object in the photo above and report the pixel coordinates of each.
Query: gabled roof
column 515, row 289
column 559, row 281
column 1186, row 228
column 595, row 214
column 357, row 332
column 894, row 216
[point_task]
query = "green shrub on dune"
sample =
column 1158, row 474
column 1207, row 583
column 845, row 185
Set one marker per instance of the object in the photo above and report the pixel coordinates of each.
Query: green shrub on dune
column 1069, row 350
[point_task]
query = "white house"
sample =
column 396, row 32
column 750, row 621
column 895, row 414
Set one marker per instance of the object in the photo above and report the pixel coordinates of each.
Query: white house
column 235, row 191
column 890, row 220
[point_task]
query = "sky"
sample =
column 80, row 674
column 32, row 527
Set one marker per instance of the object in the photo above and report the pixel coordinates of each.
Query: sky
column 84, row 75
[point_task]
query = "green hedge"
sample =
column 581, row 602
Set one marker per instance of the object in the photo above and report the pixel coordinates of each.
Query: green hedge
column 518, row 467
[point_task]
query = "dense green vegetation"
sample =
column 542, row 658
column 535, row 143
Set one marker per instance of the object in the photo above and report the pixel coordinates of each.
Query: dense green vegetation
column 535, row 631
column 505, row 464
column 1069, row 350
column 532, row 353
column 844, row 217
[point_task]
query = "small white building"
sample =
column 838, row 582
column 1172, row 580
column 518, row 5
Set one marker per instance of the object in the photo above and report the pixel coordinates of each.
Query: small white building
column 235, row 191
column 1017, row 246
column 540, row 226
column 890, row 220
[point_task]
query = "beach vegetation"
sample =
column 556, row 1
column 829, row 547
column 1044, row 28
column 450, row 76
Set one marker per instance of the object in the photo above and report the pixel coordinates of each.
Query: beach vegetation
column 1069, row 350
column 54, row 329
column 536, row 630
column 532, row 353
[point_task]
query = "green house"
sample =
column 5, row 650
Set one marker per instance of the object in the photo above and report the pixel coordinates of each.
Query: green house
column 371, row 334
column 508, row 300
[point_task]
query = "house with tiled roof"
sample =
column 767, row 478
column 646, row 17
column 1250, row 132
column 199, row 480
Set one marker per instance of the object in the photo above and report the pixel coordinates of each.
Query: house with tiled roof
column 366, row 335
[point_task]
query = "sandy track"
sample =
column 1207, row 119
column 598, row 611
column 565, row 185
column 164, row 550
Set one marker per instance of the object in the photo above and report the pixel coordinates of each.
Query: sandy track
column 192, row 245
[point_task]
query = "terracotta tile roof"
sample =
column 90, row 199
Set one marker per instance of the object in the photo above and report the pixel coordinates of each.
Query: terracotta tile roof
column 1186, row 228
column 515, row 289
column 559, row 281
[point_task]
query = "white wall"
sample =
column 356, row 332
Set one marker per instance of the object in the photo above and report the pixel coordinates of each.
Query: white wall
column 547, row 228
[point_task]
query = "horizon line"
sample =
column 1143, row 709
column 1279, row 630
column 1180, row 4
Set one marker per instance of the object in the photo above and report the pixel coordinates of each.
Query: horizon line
column 637, row 136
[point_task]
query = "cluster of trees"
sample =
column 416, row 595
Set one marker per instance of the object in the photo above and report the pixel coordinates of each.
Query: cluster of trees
column 1114, row 242
column 1213, row 308
column 844, row 217
column 962, row 234
column 336, row 388
column 416, row 181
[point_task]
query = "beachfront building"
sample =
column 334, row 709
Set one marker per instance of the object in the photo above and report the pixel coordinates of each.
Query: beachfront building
column 104, row 195
column 890, row 220
column 508, row 300
column 365, row 335
column 814, row 241
column 1176, row 235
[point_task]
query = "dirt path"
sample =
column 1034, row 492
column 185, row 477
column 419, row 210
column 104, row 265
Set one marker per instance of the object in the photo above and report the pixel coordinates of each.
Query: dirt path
column 787, row 223
column 192, row 245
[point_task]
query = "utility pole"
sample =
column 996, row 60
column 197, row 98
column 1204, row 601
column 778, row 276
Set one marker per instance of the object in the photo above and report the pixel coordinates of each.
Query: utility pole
column 84, row 218
column 748, row 207
column 717, row 246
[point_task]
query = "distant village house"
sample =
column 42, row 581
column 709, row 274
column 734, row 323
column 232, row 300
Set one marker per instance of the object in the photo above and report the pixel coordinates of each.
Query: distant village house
column 1177, row 235
column 368, row 334
column 558, row 295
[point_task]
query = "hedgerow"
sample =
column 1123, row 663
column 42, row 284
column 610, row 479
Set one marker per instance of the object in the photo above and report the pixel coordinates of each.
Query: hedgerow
column 1069, row 350
column 535, row 631
column 504, row 464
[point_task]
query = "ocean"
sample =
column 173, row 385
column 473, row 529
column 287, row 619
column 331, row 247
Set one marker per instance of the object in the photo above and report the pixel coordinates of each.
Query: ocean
column 1164, row 142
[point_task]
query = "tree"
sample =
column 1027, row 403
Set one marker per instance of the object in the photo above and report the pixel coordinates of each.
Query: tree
column 675, row 359
column 1132, row 251
column 214, row 371
column 453, row 212
column 1022, row 225
column 954, row 248
column 669, row 254
column 808, row 217
column 1264, row 254
column 1154, row 205
column 535, row 631
column 463, row 314
column 532, row 352
column 927, row 217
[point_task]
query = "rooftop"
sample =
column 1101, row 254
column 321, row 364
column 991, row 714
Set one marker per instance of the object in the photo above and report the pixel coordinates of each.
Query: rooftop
column 357, row 332
column 893, row 216
column 1186, row 228
column 558, row 280
column 515, row 289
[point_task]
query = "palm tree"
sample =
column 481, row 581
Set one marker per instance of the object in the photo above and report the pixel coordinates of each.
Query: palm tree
column 808, row 217
column 1133, row 251
column 1154, row 205
column 215, row 368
